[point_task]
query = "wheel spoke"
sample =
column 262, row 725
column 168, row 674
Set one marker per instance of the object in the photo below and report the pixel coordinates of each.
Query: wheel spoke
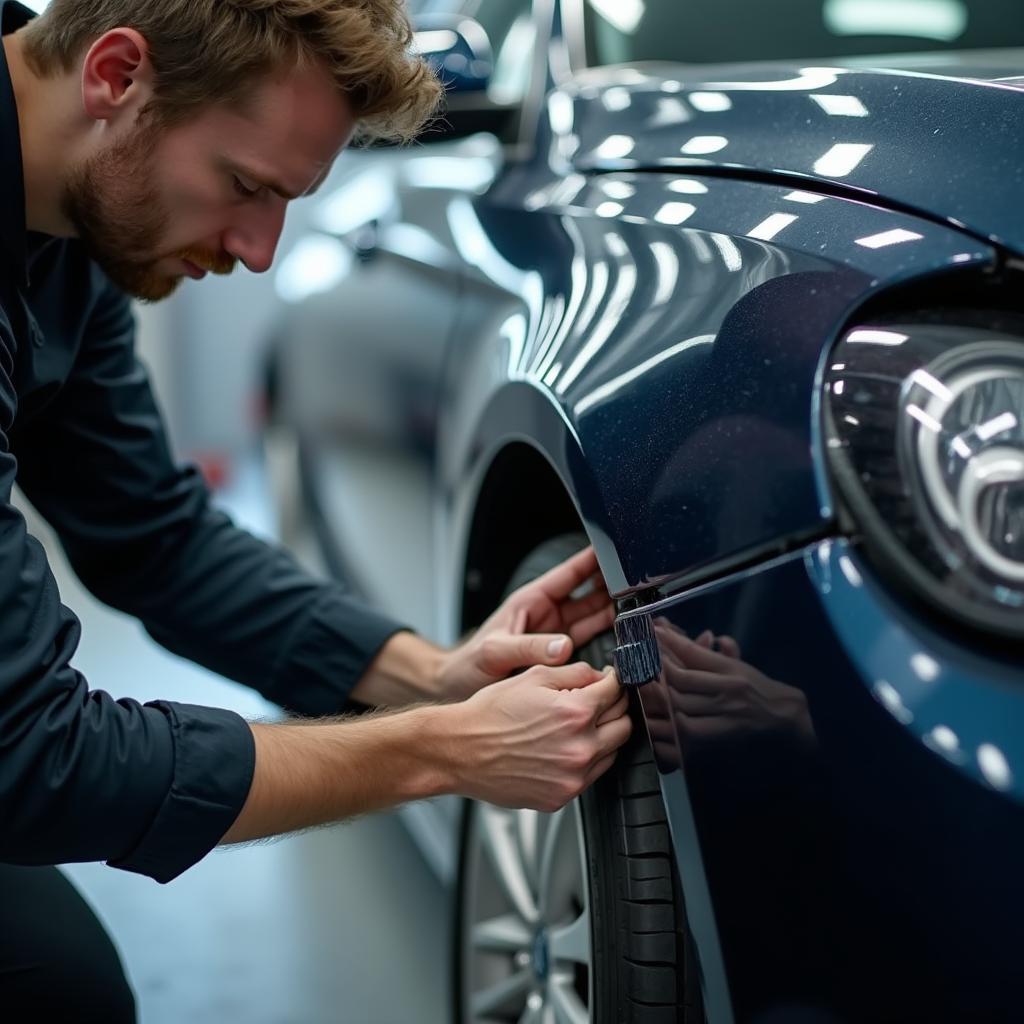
column 528, row 832
column 503, row 849
column 571, row 943
column 568, row 1006
column 507, row 996
column 505, row 934
column 549, row 859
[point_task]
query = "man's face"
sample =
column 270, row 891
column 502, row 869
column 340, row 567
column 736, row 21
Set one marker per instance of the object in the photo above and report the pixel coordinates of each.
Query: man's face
column 159, row 205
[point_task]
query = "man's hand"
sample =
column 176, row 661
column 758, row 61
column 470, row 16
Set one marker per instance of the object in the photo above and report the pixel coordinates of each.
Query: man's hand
column 539, row 739
column 539, row 624
column 536, row 740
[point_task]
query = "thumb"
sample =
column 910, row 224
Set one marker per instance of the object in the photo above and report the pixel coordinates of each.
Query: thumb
column 511, row 651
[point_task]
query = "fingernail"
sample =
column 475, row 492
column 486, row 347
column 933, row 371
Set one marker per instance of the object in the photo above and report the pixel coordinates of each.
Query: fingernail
column 706, row 635
column 556, row 646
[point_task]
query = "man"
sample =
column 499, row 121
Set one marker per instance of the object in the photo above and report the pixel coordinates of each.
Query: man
column 144, row 141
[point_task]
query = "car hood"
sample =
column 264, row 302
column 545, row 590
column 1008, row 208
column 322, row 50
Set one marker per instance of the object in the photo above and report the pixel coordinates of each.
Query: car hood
column 943, row 137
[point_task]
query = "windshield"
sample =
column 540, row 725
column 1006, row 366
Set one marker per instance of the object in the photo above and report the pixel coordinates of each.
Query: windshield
column 724, row 31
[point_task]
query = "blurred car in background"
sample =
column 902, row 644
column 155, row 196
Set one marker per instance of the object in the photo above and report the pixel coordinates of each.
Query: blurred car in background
column 733, row 292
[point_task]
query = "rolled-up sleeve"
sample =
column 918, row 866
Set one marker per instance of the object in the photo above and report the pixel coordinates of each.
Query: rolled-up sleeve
column 84, row 776
column 213, row 758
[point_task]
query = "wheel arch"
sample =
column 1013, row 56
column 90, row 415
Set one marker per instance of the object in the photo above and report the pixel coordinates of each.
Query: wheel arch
column 522, row 501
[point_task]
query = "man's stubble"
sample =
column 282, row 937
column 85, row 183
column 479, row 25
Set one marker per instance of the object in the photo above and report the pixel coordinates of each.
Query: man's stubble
column 117, row 211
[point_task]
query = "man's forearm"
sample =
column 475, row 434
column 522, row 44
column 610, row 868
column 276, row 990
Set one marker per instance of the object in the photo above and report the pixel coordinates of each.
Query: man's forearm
column 405, row 671
column 320, row 772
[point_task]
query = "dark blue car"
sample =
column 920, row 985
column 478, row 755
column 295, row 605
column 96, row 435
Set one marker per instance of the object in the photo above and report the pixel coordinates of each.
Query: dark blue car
column 756, row 331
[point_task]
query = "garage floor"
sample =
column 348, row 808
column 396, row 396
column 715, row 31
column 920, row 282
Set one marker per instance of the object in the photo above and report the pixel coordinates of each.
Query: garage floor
column 338, row 925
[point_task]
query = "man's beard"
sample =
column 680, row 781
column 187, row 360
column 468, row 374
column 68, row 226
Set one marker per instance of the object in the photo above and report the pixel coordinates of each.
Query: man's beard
column 114, row 204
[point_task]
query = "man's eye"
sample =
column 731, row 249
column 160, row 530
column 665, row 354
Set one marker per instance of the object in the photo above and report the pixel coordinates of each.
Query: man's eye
column 244, row 190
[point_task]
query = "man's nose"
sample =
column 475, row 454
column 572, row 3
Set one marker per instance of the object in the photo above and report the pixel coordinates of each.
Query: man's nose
column 254, row 240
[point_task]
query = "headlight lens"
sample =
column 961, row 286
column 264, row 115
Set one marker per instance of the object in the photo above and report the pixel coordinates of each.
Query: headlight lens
column 926, row 434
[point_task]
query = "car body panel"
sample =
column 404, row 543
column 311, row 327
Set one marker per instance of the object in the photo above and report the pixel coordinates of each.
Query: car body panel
column 896, row 136
column 867, row 869
column 676, row 363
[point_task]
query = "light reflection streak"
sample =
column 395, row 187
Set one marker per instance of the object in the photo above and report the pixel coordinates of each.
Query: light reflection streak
column 615, row 147
column 618, row 189
column 809, row 79
column 670, row 111
column 710, row 102
column 700, row 247
column 577, row 292
column 595, row 288
column 894, row 237
column 873, row 337
column 923, row 418
column 622, row 291
column 850, row 571
column 687, row 186
column 771, row 226
column 888, row 696
column 675, row 213
column 994, row 766
column 840, row 106
column 560, row 113
column 842, row 159
column 932, row 384
column 803, row 197
column 616, row 98
column 625, row 15
column 986, row 431
column 513, row 330
column 944, row 741
column 727, row 249
column 608, row 389
column 668, row 271
column 925, row 666
column 702, row 145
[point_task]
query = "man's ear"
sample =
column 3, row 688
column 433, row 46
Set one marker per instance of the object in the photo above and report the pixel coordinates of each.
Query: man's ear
column 117, row 76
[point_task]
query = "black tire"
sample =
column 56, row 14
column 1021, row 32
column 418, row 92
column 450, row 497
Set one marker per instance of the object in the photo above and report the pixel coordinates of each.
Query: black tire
column 643, row 967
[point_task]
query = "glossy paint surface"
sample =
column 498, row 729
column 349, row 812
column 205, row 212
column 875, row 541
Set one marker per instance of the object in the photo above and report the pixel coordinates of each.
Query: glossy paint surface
column 948, row 147
column 673, row 327
column 852, row 779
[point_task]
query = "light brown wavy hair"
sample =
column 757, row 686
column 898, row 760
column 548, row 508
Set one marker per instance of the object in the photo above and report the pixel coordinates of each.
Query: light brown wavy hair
column 213, row 51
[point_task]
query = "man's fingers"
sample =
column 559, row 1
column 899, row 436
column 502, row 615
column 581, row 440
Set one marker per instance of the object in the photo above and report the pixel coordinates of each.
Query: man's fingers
column 577, row 676
column 695, row 655
column 598, row 769
column 603, row 694
column 583, row 607
column 558, row 583
column 502, row 654
column 727, row 645
column 612, row 735
column 585, row 630
column 619, row 708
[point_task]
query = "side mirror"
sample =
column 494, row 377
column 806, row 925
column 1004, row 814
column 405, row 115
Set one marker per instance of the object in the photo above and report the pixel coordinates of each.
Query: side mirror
column 458, row 49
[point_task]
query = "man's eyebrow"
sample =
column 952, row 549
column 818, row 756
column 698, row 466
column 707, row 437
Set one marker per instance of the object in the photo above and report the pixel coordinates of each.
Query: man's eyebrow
column 277, row 188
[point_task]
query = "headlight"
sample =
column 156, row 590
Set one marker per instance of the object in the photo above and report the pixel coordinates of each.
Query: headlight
column 925, row 427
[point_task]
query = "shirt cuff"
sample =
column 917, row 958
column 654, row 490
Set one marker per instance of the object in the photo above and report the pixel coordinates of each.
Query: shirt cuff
column 331, row 653
column 214, row 761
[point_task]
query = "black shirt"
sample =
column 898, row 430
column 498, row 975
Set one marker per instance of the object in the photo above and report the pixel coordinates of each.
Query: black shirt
column 84, row 776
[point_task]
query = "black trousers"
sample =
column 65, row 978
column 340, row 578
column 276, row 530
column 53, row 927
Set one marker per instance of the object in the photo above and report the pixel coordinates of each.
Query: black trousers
column 57, row 962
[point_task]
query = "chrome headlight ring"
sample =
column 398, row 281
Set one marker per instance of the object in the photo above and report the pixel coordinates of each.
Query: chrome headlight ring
column 925, row 426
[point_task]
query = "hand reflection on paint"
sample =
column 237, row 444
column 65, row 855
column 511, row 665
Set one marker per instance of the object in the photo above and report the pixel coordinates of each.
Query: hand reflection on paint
column 712, row 694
